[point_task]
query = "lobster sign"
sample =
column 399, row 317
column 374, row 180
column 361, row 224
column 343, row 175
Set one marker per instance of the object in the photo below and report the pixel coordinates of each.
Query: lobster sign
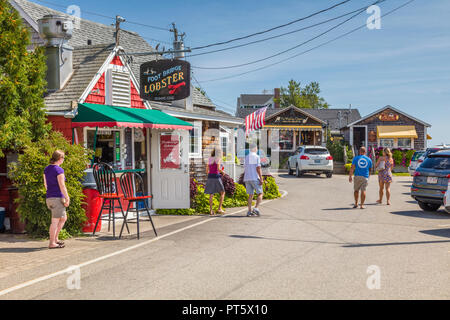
column 165, row 80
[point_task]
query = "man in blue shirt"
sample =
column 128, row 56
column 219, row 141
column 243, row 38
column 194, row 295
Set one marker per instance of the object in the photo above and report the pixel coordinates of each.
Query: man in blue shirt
column 361, row 166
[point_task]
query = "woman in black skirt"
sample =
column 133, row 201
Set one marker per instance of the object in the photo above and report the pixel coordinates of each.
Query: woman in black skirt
column 214, row 183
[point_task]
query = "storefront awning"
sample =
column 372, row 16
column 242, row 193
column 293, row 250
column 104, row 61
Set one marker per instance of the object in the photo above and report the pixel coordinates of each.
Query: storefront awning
column 429, row 137
column 288, row 127
column 384, row 132
column 97, row 115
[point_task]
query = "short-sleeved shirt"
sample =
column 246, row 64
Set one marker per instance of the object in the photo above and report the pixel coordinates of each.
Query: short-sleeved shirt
column 362, row 164
column 51, row 176
column 252, row 161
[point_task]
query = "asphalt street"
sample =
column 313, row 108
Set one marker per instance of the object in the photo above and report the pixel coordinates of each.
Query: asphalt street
column 309, row 244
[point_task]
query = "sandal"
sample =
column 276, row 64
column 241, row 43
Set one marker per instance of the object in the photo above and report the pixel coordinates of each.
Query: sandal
column 60, row 242
column 59, row 246
column 220, row 212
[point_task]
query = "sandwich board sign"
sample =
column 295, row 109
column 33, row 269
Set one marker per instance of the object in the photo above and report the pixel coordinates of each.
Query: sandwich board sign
column 165, row 80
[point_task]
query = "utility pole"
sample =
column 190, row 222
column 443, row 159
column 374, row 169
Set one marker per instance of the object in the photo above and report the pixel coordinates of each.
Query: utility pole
column 178, row 44
column 119, row 20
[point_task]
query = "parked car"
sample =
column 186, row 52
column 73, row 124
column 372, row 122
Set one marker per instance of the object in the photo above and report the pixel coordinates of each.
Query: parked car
column 431, row 181
column 311, row 159
column 416, row 161
column 447, row 199
column 265, row 160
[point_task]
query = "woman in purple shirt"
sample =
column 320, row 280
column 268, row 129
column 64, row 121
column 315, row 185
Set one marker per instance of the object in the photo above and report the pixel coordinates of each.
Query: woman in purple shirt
column 57, row 197
column 214, row 183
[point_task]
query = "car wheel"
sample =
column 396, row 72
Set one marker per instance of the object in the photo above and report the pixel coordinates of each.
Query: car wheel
column 298, row 172
column 329, row 174
column 290, row 171
column 430, row 207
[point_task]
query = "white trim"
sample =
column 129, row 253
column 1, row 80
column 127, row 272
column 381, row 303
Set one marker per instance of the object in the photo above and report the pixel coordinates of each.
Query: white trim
column 394, row 109
column 196, row 155
column 97, row 77
column 352, row 134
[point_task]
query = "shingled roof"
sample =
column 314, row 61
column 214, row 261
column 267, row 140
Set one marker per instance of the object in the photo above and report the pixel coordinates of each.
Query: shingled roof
column 101, row 36
column 330, row 116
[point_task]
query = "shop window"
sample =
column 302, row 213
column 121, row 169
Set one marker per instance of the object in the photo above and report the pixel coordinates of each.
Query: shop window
column 286, row 140
column 405, row 143
column 387, row 143
column 195, row 140
column 224, row 144
column 108, row 147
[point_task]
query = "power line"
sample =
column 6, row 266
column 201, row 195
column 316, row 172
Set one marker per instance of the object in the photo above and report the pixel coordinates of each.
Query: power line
column 278, row 36
column 206, row 94
column 309, row 50
column 292, row 48
column 104, row 16
column 271, row 29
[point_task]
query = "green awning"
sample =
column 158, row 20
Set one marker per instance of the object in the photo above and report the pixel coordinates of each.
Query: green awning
column 98, row 115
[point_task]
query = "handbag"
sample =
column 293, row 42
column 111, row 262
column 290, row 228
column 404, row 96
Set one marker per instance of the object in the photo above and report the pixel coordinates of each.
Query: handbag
column 381, row 166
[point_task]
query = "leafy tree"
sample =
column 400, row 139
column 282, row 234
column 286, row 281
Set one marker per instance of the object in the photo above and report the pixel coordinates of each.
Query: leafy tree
column 22, row 84
column 307, row 97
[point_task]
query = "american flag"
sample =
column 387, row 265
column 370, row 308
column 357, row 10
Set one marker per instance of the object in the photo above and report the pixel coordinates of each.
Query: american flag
column 255, row 120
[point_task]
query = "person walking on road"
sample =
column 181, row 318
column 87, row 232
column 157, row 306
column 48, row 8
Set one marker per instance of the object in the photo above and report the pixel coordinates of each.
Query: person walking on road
column 214, row 183
column 253, row 180
column 385, row 164
column 361, row 166
column 57, row 198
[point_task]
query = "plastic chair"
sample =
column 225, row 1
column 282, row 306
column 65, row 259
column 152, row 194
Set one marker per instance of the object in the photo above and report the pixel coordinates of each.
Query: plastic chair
column 132, row 183
column 105, row 179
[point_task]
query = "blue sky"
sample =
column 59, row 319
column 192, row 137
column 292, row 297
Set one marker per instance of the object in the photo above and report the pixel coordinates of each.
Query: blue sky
column 405, row 64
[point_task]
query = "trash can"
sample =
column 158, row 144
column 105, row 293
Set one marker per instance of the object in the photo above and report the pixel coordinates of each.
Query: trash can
column 2, row 219
column 93, row 202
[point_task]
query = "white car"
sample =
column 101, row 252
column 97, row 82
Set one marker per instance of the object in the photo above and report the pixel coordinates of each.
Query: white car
column 416, row 161
column 313, row 159
column 447, row 200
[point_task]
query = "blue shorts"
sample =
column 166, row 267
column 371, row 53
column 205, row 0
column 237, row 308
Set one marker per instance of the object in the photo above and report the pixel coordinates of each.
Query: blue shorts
column 253, row 187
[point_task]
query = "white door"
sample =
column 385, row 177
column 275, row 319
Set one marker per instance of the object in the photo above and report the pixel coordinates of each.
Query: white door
column 170, row 172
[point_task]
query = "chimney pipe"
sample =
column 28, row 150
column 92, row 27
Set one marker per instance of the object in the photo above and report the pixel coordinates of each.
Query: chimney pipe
column 276, row 92
column 57, row 30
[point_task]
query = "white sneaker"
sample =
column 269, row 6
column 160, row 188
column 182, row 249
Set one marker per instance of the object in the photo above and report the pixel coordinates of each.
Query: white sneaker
column 256, row 212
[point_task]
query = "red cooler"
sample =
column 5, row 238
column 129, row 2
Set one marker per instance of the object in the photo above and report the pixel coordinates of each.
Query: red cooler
column 93, row 203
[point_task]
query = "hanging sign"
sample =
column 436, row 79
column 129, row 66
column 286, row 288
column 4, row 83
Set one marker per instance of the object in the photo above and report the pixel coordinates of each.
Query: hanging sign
column 165, row 80
column 170, row 151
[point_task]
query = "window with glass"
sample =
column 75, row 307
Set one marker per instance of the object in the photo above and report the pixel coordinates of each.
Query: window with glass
column 286, row 140
column 405, row 143
column 195, row 140
column 387, row 143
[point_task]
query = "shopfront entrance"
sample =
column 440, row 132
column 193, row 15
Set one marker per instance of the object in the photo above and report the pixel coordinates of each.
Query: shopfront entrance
column 148, row 142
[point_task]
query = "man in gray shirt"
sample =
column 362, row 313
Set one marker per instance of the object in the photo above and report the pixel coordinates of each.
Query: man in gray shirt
column 253, row 179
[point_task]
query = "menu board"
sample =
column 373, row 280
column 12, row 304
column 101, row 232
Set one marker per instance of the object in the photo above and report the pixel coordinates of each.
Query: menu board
column 170, row 151
column 128, row 149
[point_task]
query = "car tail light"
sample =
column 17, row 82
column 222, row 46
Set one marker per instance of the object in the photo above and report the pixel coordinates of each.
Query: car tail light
column 304, row 157
column 420, row 161
column 329, row 158
column 414, row 189
column 416, row 174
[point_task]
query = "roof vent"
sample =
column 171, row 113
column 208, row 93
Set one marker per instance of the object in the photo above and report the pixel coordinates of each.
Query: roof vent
column 57, row 30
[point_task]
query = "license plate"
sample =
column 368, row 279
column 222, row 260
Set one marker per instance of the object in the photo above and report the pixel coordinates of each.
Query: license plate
column 432, row 180
column 318, row 162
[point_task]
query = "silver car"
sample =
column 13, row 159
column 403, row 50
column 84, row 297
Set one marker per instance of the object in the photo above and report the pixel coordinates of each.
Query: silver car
column 313, row 159
column 447, row 199
column 416, row 161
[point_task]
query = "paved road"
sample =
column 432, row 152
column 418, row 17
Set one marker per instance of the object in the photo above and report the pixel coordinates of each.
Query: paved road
column 307, row 245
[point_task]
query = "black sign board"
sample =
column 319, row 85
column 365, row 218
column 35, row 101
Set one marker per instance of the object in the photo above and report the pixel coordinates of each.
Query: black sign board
column 165, row 80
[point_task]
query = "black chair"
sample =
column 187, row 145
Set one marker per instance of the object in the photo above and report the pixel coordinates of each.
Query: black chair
column 132, row 183
column 105, row 179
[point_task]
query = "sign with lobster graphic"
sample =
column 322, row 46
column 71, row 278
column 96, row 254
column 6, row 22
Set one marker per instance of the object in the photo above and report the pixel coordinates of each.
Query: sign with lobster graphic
column 165, row 80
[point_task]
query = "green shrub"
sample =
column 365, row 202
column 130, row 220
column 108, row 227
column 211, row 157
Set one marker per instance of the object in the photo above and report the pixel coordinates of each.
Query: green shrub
column 350, row 155
column 27, row 175
column 270, row 188
column 239, row 199
column 176, row 212
column 398, row 157
column 348, row 166
column 201, row 201
column 409, row 154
